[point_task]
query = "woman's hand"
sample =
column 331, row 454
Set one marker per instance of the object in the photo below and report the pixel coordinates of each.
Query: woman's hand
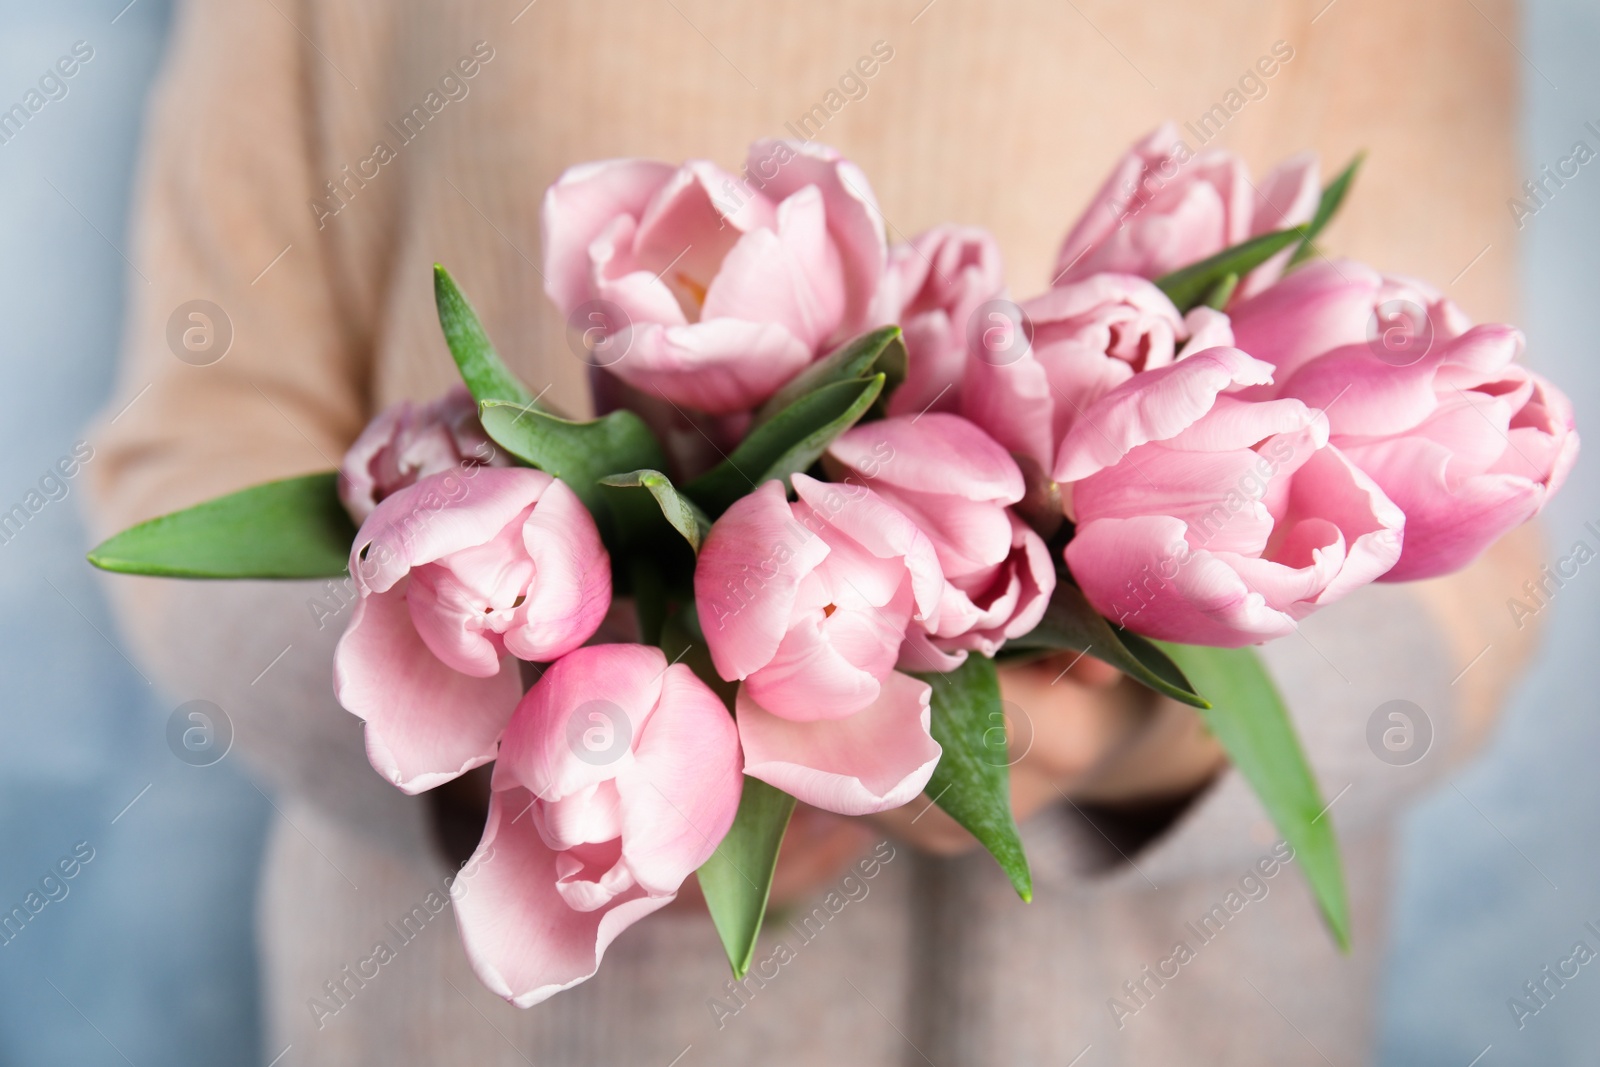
column 1075, row 728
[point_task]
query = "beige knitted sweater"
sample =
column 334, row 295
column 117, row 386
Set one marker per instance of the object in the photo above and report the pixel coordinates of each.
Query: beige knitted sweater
column 307, row 163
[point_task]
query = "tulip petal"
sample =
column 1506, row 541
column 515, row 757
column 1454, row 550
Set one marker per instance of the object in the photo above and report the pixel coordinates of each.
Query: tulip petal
column 884, row 531
column 790, row 275
column 748, row 578
column 581, row 203
column 936, row 454
column 717, row 366
column 783, row 168
column 426, row 723
column 682, row 236
column 1153, row 406
column 682, row 790
column 1142, row 574
column 525, row 941
column 423, row 522
column 612, row 689
column 572, row 579
column 874, row 760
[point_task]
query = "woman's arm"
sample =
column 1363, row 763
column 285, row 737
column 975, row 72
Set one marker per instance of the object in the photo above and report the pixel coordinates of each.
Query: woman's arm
column 230, row 164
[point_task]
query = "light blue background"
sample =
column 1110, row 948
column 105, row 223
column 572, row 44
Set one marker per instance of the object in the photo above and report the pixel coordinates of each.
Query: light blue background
column 1476, row 918
column 149, row 959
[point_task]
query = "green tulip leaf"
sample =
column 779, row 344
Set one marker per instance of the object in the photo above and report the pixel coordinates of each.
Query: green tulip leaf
column 486, row 376
column 972, row 782
column 1070, row 623
column 737, row 879
column 883, row 349
column 680, row 512
column 579, row 453
column 1249, row 719
column 787, row 443
column 1188, row 287
column 294, row 528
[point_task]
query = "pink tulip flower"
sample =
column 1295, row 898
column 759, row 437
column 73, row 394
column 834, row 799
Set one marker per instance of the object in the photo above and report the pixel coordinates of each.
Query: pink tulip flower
column 729, row 285
column 458, row 576
column 1468, row 444
column 1330, row 304
column 405, row 444
column 1087, row 337
column 934, row 285
column 808, row 605
column 618, row 777
column 1164, row 207
column 1209, row 519
column 956, row 484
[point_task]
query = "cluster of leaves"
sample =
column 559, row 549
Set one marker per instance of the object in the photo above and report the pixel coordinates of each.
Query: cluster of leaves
column 296, row 528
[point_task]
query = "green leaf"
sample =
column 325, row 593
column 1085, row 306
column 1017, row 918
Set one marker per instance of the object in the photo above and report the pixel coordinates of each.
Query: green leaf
column 787, row 443
column 882, row 349
column 486, row 376
column 1218, row 296
column 972, row 782
column 1189, row 286
column 1249, row 720
column 1070, row 622
column 579, row 453
column 681, row 512
column 1327, row 207
column 295, row 528
column 737, row 879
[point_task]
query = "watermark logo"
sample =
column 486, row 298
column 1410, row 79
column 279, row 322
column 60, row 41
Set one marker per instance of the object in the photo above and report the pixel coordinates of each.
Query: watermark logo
column 599, row 332
column 1400, row 332
column 997, row 751
column 999, row 332
column 199, row 332
column 599, row 732
column 1399, row 733
column 199, row 733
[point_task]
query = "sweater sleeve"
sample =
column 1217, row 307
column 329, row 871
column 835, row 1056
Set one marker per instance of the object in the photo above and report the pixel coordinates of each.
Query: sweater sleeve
column 244, row 360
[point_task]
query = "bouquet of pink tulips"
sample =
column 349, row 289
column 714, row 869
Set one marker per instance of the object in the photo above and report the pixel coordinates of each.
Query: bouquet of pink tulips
column 833, row 481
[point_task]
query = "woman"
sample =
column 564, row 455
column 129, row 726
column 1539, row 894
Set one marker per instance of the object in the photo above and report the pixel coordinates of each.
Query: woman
column 266, row 192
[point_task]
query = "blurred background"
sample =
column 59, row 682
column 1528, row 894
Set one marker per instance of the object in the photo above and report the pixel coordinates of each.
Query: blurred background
column 145, row 955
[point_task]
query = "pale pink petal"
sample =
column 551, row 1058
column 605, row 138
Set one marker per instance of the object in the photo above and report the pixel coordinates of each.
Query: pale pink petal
column 682, row 790
column 1153, row 406
column 1014, row 403
column 1112, row 201
column 571, row 590
column 580, row 204
column 441, row 514
column 812, row 677
column 426, row 723
column 612, row 689
column 525, row 941
column 717, row 366
column 782, row 168
column 1319, row 307
column 936, row 454
column 1142, row 574
column 748, row 577
column 882, row 530
column 1329, row 488
column 1206, row 328
column 877, row 759
column 682, row 236
column 791, row 276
